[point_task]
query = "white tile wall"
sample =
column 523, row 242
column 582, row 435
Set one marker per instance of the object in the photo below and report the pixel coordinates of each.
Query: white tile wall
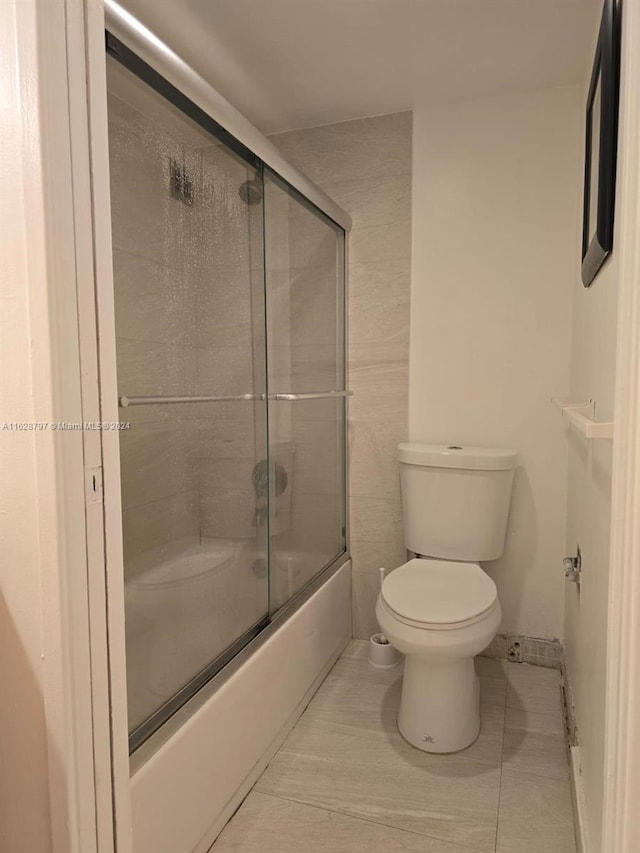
column 184, row 324
column 184, row 320
column 365, row 165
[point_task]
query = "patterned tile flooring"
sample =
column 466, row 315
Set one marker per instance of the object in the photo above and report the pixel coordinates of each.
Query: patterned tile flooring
column 345, row 781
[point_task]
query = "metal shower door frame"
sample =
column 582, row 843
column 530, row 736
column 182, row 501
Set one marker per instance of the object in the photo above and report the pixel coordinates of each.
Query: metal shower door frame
column 152, row 730
column 143, row 43
column 80, row 28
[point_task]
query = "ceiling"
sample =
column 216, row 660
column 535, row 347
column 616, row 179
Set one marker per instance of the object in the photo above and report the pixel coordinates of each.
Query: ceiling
column 288, row 64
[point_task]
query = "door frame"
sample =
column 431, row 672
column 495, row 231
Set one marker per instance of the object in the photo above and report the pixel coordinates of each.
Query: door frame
column 88, row 586
column 621, row 828
column 107, row 579
column 83, row 598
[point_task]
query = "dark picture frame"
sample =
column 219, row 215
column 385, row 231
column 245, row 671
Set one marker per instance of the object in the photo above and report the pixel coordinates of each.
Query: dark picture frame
column 601, row 138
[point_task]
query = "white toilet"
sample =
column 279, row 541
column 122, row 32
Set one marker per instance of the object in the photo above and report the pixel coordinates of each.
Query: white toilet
column 442, row 609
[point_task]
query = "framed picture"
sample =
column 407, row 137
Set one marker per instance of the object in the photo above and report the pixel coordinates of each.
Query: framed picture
column 600, row 147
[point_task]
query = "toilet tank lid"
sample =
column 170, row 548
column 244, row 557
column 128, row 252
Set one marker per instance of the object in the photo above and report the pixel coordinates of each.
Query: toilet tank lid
column 457, row 456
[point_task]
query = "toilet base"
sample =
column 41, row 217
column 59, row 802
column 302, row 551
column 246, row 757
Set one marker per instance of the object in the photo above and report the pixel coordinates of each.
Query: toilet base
column 440, row 705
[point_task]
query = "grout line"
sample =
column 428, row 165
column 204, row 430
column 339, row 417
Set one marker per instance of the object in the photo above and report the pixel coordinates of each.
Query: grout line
column 544, row 715
column 362, row 819
column 464, row 848
column 504, row 727
column 550, row 780
column 349, row 815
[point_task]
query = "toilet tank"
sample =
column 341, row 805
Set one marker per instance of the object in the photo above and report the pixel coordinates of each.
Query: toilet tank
column 455, row 500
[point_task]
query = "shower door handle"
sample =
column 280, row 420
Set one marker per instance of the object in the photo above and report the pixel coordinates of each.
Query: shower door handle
column 125, row 401
column 311, row 395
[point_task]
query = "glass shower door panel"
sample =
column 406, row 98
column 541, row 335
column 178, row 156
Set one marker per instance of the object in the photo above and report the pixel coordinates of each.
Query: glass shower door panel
column 189, row 299
column 304, row 252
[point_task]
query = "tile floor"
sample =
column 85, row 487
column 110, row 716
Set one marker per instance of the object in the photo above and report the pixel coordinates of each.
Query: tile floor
column 346, row 782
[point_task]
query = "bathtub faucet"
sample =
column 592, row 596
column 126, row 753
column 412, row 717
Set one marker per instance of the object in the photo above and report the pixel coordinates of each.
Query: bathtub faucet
column 261, row 515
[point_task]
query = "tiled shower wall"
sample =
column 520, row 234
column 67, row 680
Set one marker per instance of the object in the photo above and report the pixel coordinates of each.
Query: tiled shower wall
column 189, row 299
column 184, row 326
column 365, row 165
column 169, row 484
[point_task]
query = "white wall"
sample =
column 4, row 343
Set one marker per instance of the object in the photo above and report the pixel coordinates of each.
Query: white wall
column 47, row 797
column 24, row 794
column 593, row 369
column 495, row 187
column 589, row 525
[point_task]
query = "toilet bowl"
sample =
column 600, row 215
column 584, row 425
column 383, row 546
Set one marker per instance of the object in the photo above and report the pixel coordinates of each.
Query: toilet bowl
column 441, row 609
column 440, row 615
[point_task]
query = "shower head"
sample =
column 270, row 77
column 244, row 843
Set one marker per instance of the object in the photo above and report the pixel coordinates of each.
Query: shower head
column 251, row 191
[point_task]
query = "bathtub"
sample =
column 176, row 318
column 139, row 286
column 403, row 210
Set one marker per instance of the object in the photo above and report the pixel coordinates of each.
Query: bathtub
column 191, row 775
column 184, row 605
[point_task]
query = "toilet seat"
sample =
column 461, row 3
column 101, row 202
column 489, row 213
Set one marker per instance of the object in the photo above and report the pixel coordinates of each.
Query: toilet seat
column 439, row 594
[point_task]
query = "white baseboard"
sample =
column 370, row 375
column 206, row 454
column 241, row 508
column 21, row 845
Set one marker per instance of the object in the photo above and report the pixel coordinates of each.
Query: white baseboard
column 580, row 820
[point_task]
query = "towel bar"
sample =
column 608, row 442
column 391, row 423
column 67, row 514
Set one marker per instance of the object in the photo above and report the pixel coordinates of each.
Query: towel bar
column 580, row 416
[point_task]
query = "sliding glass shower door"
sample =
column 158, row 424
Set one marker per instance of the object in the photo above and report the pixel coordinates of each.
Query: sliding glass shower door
column 304, row 253
column 229, row 320
column 189, row 300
